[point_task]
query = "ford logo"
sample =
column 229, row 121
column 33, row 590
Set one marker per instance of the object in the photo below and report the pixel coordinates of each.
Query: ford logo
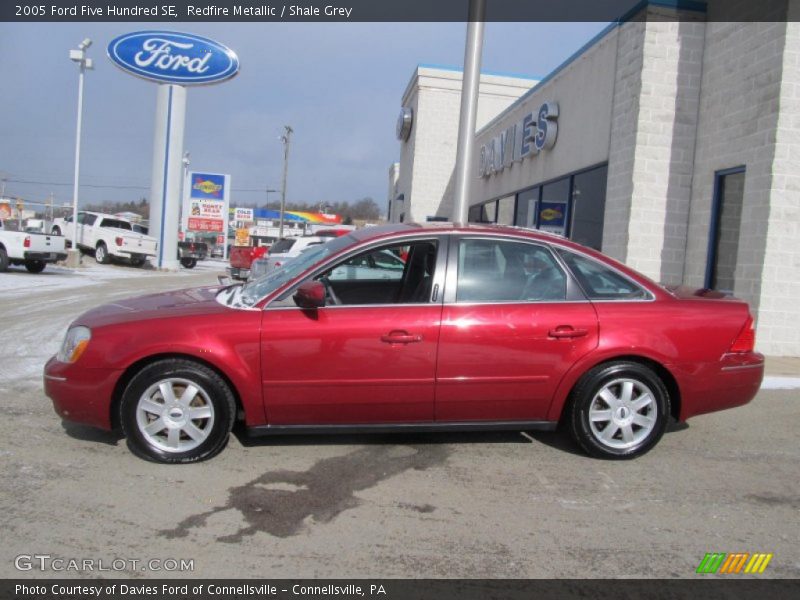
column 172, row 57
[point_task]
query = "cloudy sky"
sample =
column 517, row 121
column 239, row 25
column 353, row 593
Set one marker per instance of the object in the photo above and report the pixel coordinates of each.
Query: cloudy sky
column 338, row 85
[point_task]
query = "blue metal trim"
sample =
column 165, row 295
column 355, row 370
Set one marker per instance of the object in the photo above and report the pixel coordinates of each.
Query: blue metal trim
column 713, row 226
column 164, row 184
column 455, row 69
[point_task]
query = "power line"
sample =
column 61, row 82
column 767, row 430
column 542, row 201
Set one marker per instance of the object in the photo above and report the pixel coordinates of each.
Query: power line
column 117, row 186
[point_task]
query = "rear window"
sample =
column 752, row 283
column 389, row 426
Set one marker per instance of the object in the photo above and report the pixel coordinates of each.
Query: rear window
column 601, row 282
column 282, row 246
column 116, row 223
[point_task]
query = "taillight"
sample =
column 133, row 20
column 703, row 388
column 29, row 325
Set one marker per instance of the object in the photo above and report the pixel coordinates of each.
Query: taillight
column 277, row 264
column 118, row 240
column 27, row 242
column 746, row 340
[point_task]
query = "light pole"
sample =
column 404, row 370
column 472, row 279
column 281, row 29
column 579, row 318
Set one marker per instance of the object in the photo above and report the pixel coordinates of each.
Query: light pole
column 286, row 139
column 78, row 56
column 185, row 162
column 269, row 191
column 469, row 110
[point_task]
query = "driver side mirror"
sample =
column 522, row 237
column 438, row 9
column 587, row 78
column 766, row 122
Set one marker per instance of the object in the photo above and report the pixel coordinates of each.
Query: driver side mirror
column 310, row 294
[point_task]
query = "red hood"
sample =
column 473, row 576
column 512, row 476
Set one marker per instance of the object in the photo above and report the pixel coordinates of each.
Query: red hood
column 188, row 302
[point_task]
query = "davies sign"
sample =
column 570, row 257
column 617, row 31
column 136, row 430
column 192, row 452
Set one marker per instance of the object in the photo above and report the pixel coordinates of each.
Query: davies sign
column 534, row 133
column 172, row 57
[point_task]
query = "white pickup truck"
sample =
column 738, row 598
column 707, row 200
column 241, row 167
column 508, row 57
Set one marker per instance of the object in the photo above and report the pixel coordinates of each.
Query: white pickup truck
column 34, row 250
column 107, row 237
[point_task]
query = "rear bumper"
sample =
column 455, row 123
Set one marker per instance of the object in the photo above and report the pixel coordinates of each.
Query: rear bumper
column 238, row 273
column 48, row 257
column 81, row 395
column 733, row 381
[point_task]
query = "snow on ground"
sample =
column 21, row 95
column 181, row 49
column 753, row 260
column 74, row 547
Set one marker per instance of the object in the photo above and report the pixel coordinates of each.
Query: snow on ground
column 35, row 310
column 18, row 282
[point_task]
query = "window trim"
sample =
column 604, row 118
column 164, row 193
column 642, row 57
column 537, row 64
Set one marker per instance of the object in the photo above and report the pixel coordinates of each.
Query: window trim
column 650, row 295
column 574, row 292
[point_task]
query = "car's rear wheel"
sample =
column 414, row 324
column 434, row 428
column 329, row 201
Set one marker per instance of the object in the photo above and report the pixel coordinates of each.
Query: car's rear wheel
column 35, row 266
column 188, row 262
column 3, row 260
column 177, row 411
column 55, row 231
column 618, row 410
column 101, row 254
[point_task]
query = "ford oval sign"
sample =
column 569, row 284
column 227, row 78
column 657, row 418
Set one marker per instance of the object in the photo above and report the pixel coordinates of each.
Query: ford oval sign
column 172, row 57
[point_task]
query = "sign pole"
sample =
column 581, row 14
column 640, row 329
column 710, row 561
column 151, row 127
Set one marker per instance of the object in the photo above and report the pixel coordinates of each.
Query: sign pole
column 165, row 189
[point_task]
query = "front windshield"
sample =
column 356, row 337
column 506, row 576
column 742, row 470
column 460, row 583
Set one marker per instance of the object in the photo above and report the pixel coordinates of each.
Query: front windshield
column 256, row 289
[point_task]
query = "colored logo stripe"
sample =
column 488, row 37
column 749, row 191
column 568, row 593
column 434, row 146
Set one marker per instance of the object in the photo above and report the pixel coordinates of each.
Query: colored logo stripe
column 721, row 562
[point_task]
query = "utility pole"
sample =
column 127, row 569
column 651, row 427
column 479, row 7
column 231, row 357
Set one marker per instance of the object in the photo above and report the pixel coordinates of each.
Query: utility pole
column 286, row 138
column 465, row 167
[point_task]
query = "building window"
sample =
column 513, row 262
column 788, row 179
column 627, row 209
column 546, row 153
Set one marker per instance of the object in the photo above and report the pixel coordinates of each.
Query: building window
column 726, row 222
column 505, row 211
column 527, row 202
column 553, row 207
column 588, row 207
column 483, row 213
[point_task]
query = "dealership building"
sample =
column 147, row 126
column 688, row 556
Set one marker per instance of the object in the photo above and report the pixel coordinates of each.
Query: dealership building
column 669, row 141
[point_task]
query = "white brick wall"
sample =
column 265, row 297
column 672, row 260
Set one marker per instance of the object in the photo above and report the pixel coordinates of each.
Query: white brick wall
column 427, row 159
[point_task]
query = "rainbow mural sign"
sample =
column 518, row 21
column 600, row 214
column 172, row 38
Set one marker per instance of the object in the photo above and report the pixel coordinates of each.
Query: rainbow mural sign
column 293, row 216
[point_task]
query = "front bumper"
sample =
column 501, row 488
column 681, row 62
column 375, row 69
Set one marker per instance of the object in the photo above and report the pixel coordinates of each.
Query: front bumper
column 79, row 394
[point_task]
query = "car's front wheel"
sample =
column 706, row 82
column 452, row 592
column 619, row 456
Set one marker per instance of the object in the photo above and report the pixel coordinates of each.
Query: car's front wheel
column 177, row 411
column 618, row 410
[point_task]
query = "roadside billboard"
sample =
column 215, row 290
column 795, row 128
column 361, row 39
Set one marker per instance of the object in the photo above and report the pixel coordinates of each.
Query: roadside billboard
column 206, row 201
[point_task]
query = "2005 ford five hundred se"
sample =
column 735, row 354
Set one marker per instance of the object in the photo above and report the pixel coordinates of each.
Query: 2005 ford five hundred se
column 411, row 327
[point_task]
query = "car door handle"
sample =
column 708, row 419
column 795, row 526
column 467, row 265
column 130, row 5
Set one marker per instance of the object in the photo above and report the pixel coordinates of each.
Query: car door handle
column 566, row 332
column 400, row 337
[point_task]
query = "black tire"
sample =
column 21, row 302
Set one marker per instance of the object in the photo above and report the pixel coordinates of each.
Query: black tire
column 35, row 266
column 137, row 262
column 217, row 391
column 101, row 254
column 55, row 231
column 3, row 260
column 188, row 262
column 627, row 419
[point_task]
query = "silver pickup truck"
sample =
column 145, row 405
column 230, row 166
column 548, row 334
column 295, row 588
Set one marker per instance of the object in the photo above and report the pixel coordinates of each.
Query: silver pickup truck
column 34, row 250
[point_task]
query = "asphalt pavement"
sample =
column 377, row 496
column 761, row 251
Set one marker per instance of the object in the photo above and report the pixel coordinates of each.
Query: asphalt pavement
column 472, row 505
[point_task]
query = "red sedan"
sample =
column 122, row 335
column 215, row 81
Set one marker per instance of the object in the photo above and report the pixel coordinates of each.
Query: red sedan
column 480, row 327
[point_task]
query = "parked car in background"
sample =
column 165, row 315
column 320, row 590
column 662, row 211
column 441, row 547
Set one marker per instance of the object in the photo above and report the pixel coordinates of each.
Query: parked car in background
column 326, row 233
column 241, row 259
column 217, row 251
column 107, row 237
column 28, row 248
column 284, row 250
column 189, row 251
column 486, row 327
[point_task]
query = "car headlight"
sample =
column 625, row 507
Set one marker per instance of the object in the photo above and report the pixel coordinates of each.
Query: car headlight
column 75, row 343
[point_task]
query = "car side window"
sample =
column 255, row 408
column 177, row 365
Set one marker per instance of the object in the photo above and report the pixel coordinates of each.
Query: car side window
column 87, row 219
column 508, row 271
column 378, row 264
column 600, row 282
column 394, row 274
